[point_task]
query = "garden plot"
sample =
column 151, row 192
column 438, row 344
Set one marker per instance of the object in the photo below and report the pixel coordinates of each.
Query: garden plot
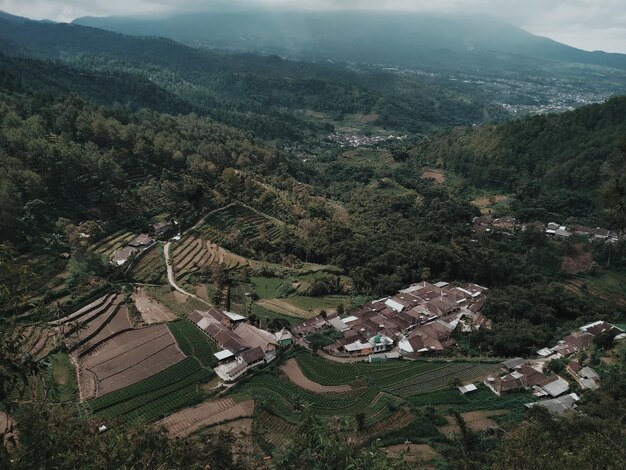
column 293, row 372
column 190, row 420
column 109, row 353
column 475, row 420
column 193, row 254
column 38, row 341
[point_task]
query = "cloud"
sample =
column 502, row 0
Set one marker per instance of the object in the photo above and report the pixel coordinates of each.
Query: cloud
column 590, row 24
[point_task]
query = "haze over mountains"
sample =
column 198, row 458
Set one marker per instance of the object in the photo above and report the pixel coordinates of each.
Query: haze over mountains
column 422, row 40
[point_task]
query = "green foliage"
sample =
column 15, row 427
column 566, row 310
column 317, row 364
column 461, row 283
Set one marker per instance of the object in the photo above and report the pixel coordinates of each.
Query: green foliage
column 401, row 378
column 323, row 338
column 194, row 342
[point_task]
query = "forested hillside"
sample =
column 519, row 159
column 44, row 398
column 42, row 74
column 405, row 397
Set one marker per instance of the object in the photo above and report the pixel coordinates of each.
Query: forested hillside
column 555, row 165
column 143, row 181
column 229, row 87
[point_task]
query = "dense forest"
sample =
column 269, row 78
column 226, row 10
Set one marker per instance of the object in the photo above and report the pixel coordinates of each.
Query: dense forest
column 555, row 165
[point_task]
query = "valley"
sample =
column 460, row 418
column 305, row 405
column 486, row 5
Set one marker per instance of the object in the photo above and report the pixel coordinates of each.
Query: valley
column 228, row 259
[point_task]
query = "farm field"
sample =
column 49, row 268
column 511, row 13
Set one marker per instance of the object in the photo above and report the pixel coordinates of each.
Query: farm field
column 154, row 397
column 488, row 203
column 107, row 245
column 190, row 420
column 437, row 175
column 38, row 340
column 64, row 376
column 401, row 378
column 194, row 342
column 181, row 305
column 250, row 224
column 295, row 375
column 607, row 285
column 284, row 399
column 108, row 352
column 150, row 267
column 194, row 253
column 317, row 304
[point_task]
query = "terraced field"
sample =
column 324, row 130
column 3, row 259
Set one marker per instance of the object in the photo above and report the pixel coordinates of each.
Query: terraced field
column 192, row 254
column 190, row 420
column 284, row 399
column 38, row 340
column 108, row 352
column 194, row 342
column 251, row 224
column 150, row 267
column 112, row 242
column 402, row 378
column 156, row 396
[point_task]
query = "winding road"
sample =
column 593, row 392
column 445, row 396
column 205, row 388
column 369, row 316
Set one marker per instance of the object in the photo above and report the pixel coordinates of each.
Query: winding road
column 171, row 278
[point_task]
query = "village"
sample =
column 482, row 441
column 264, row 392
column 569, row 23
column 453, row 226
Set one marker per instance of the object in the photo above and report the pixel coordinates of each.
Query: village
column 418, row 321
column 486, row 223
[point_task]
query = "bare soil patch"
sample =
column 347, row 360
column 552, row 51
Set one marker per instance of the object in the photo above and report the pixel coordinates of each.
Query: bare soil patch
column 367, row 118
column 294, row 373
column 180, row 298
column 151, row 310
column 436, row 175
column 190, row 420
column 577, row 261
column 412, row 453
column 6, row 424
column 475, row 420
column 202, row 292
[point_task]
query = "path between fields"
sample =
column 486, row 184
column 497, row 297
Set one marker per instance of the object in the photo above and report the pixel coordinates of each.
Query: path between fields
column 294, row 373
column 172, row 279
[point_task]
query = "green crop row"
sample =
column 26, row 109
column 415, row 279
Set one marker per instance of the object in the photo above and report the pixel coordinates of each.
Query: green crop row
column 194, row 342
column 179, row 372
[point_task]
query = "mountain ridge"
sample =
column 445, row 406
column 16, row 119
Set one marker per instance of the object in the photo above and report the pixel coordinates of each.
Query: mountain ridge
column 343, row 35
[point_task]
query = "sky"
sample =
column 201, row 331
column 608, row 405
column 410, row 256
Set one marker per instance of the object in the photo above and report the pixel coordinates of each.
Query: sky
column 587, row 24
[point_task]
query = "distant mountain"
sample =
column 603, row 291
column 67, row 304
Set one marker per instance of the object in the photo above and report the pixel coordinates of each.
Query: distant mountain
column 231, row 86
column 409, row 40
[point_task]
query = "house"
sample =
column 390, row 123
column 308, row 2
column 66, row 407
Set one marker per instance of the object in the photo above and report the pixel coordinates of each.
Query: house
column 551, row 228
column 504, row 223
column 254, row 337
column 553, row 386
column 562, row 232
column 120, row 257
column 284, row 338
column 586, row 377
column 559, row 406
column 467, row 388
column 512, row 364
column 141, row 241
column 161, row 229
column 508, row 383
column 574, row 343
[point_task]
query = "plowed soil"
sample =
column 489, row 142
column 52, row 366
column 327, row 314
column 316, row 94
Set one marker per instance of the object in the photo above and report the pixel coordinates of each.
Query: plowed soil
column 190, row 420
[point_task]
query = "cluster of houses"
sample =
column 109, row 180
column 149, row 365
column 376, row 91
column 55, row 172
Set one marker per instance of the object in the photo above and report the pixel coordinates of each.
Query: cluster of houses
column 417, row 320
column 244, row 346
column 487, row 223
column 521, row 374
column 140, row 243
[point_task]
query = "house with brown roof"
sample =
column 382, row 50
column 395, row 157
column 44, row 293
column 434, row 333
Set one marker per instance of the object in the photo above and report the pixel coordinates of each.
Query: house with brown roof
column 254, row 337
column 141, row 241
column 123, row 255
column 507, row 383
